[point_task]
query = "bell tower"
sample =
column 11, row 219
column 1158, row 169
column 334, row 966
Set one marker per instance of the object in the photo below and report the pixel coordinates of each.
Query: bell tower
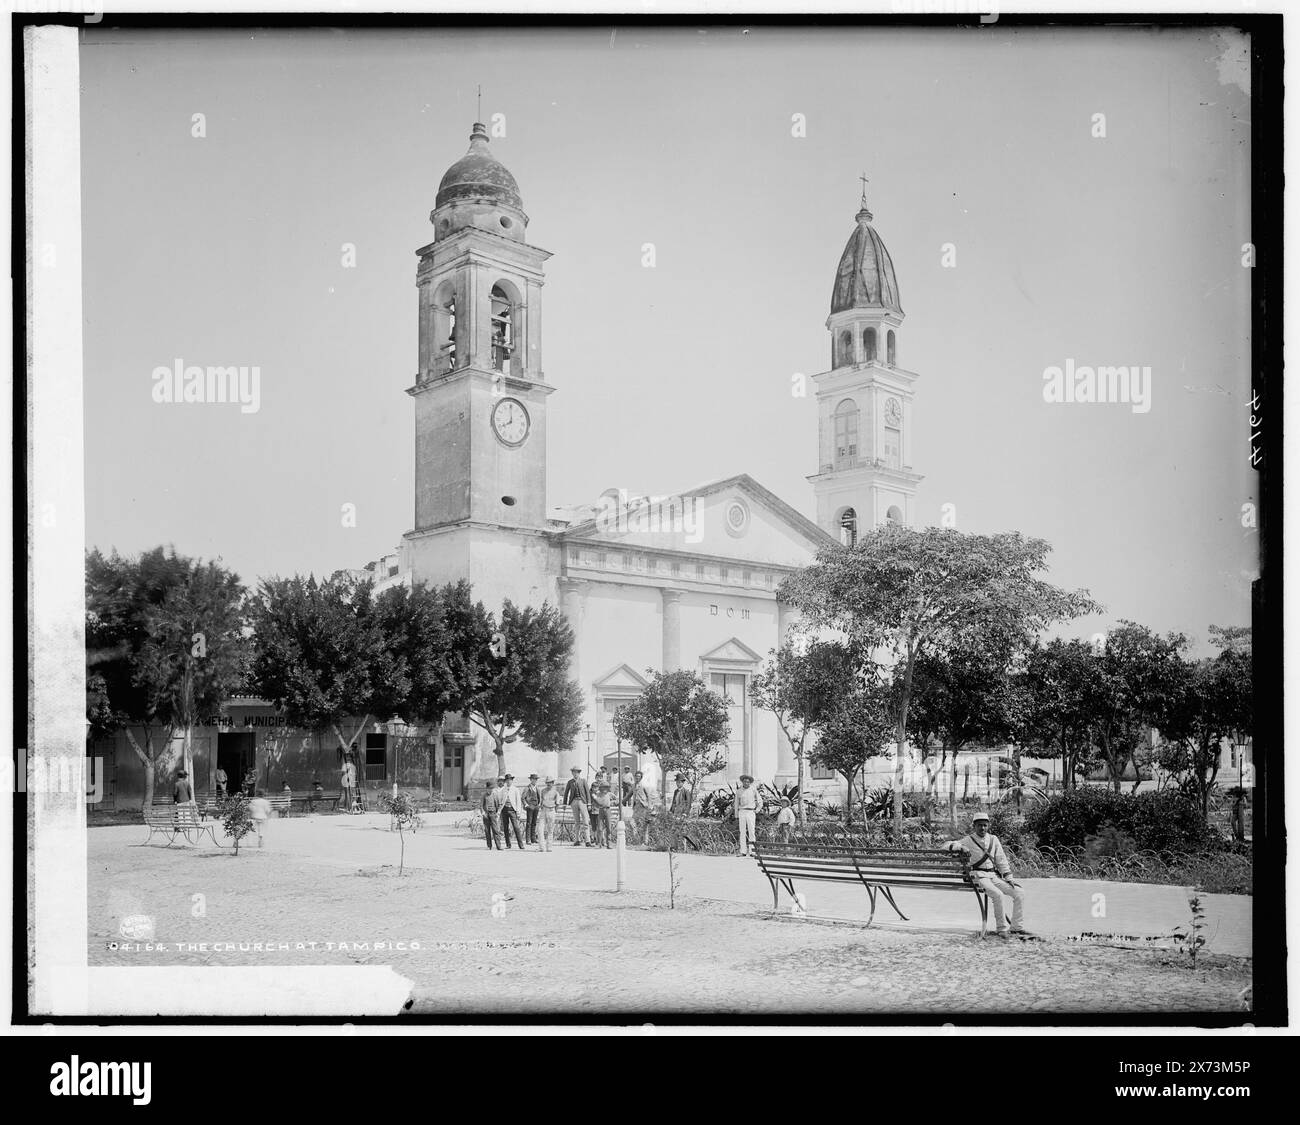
column 864, row 402
column 480, row 396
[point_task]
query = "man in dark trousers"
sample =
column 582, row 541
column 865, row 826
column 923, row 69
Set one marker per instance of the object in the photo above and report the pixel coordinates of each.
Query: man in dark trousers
column 510, row 809
column 532, row 798
column 490, row 807
column 577, row 796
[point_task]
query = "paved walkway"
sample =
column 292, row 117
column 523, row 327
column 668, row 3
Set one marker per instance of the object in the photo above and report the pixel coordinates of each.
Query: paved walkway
column 1058, row 908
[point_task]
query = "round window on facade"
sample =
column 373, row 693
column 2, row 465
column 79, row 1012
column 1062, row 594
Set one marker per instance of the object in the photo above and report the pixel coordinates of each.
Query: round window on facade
column 737, row 518
column 505, row 222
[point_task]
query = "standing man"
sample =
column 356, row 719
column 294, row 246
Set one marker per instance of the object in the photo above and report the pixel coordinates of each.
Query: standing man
column 599, row 780
column 221, row 784
column 183, row 791
column 784, row 822
column 641, row 802
column 989, row 866
column 748, row 802
column 489, row 807
column 628, row 785
column 532, row 798
column 681, row 802
column 600, row 806
column 576, row 797
column 250, row 781
column 511, row 807
column 345, row 782
column 548, row 802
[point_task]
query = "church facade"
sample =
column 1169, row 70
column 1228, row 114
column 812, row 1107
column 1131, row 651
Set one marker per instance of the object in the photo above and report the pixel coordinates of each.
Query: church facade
column 654, row 582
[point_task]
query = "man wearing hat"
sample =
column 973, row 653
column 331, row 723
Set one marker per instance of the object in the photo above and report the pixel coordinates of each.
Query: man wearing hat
column 681, row 802
column 532, row 798
column 183, row 793
column 747, row 803
column 511, row 806
column 600, row 806
column 641, row 802
column 988, row 863
column 601, row 778
column 784, row 822
column 576, row 798
column 548, row 800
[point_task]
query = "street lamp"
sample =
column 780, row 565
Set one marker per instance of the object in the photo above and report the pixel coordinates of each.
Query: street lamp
column 620, row 828
column 586, row 734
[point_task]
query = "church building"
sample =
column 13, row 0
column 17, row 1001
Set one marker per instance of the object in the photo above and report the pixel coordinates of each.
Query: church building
column 647, row 582
column 663, row 582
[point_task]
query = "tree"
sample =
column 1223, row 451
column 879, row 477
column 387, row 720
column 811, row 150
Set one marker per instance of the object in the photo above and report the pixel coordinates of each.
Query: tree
column 404, row 816
column 1132, row 683
column 322, row 655
column 1203, row 708
column 679, row 720
column 857, row 723
column 196, row 654
column 517, row 685
column 120, row 595
column 961, row 697
column 907, row 592
column 1053, row 715
column 800, row 688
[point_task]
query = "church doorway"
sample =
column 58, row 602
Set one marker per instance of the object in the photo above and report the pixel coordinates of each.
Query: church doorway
column 453, row 771
column 236, row 754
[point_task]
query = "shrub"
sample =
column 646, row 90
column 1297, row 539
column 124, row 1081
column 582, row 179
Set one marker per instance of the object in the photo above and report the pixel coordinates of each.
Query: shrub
column 878, row 804
column 1108, row 843
column 235, row 818
column 718, row 804
column 1004, row 824
column 1165, row 822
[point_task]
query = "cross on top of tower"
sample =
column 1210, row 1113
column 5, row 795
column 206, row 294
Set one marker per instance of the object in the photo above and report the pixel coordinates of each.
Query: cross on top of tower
column 863, row 211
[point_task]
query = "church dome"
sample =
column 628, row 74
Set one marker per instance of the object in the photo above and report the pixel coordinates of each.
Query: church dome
column 865, row 277
column 479, row 175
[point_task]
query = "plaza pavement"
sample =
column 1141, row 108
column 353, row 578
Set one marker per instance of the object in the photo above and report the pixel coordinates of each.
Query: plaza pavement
column 1056, row 908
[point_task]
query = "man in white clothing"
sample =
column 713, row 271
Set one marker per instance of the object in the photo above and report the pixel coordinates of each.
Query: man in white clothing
column 988, row 863
column 748, row 802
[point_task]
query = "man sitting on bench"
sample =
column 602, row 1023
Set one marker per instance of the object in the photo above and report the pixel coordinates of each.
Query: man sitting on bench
column 988, row 864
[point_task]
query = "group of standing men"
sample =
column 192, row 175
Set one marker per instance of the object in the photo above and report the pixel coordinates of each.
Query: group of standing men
column 503, row 806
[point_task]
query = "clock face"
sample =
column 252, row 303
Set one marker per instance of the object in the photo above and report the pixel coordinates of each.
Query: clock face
column 510, row 421
column 893, row 412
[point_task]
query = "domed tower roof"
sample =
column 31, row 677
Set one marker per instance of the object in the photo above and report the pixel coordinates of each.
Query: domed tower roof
column 479, row 175
column 865, row 276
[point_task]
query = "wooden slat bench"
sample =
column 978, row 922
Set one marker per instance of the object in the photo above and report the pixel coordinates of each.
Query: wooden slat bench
column 876, row 869
column 311, row 798
column 177, row 820
column 280, row 803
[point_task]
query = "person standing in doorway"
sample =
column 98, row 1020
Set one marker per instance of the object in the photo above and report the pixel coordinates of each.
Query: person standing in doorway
column 577, row 795
column 510, row 809
column 221, row 784
column 548, row 801
column 748, row 802
column 250, row 781
column 532, row 799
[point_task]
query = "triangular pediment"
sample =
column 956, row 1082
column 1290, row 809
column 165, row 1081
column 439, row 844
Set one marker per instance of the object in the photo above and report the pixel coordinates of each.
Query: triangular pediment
column 733, row 650
column 736, row 518
column 623, row 677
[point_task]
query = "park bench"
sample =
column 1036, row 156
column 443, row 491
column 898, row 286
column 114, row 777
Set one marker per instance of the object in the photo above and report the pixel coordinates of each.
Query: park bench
column 311, row 798
column 879, row 870
column 177, row 820
column 280, row 803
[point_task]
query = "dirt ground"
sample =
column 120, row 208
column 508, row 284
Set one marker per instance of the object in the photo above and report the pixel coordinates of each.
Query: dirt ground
column 468, row 948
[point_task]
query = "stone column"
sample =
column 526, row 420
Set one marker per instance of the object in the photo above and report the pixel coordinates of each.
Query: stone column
column 672, row 629
column 573, row 602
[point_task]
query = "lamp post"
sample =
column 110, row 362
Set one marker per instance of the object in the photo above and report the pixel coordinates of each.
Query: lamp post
column 586, row 734
column 620, row 829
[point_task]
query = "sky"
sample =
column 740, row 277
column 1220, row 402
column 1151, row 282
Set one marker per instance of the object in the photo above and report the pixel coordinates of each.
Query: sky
column 1122, row 249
